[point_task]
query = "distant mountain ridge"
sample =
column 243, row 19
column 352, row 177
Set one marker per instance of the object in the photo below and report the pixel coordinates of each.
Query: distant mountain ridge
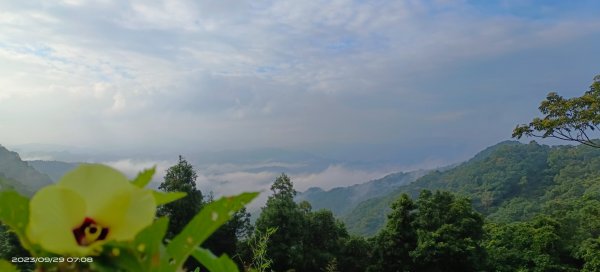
column 18, row 174
column 341, row 200
column 506, row 182
column 54, row 169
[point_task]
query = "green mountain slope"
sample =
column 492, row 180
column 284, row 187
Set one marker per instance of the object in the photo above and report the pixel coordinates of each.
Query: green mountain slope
column 9, row 184
column 19, row 175
column 341, row 200
column 506, row 182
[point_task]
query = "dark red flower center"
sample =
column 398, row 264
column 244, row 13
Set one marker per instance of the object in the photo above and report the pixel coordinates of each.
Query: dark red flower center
column 89, row 232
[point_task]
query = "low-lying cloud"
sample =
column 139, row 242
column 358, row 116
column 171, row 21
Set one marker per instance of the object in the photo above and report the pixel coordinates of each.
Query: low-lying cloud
column 336, row 176
column 221, row 183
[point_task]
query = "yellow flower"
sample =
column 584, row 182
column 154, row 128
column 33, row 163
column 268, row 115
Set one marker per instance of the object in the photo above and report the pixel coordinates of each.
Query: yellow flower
column 89, row 206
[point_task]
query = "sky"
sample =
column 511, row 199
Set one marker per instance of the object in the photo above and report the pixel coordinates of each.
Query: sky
column 359, row 80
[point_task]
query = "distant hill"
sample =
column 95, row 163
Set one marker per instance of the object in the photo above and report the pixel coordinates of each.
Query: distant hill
column 341, row 200
column 506, row 182
column 18, row 174
column 54, row 169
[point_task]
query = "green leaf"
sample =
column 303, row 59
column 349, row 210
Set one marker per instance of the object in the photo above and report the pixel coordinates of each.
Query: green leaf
column 148, row 244
column 5, row 266
column 214, row 263
column 207, row 221
column 144, row 177
column 162, row 198
column 14, row 212
column 117, row 256
column 141, row 254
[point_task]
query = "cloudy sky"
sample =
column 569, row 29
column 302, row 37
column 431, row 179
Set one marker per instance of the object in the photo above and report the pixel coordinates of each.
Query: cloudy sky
column 343, row 79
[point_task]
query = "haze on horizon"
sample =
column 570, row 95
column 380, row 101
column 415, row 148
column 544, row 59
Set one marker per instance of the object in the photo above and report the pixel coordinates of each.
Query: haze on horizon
column 360, row 80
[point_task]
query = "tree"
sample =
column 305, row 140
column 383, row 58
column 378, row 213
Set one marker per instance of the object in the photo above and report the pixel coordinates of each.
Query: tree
column 527, row 246
column 438, row 232
column 589, row 251
column 395, row 242
column 567, row 119
column 322, row 240
column 354, row 254
column 180, row 178
column 281, row 212
column 449, row 232
column 10, row 247
column 305, row 240
column 225, row 239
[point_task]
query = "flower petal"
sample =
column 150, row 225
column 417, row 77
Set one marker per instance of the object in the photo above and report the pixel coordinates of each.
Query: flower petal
column 99, row 185
column 112, row 201
column 136, row 211
column 54, row 213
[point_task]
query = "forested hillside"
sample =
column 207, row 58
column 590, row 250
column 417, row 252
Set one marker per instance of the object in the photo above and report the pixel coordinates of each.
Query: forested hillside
column 513, row 207
column 507, row 182
column 9, row 184
column 18, row 174
column 341, row 200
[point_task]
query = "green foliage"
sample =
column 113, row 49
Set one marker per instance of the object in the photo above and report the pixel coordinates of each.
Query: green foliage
column 282, row 212
column 180, row 178
column 148, row 245
column 305, row 240
column 5, row 266
column 511, row 183
column 322, row 239
column 164, row 198
column 392, row 246
column 492, row 179
column 354, row 254
column 21, row 176
column 211, row 217
column 258, row 245
column 589, row 252
column 437, row 233
column 143, row 178
column 7, row 184
column 146, row 252
column 527, row 246
column 11, row 247
column 283, row 188
column 342, row 200
column 14, row 212
column 332, row 266
column 542, row 206
column 214, row 263
column 566, row 119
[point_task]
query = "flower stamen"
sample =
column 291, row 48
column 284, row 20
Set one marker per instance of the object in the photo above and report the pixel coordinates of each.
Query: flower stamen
column 89, row 232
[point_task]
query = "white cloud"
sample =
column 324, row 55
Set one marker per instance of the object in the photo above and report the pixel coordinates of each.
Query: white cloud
column 336, row 176
column 132, row 167
column 233, row 74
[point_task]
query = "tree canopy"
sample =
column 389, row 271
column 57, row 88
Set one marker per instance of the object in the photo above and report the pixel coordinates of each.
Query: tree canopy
column 181, row 177
column 438, row 232
column 570, row 119
column 306, row 240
